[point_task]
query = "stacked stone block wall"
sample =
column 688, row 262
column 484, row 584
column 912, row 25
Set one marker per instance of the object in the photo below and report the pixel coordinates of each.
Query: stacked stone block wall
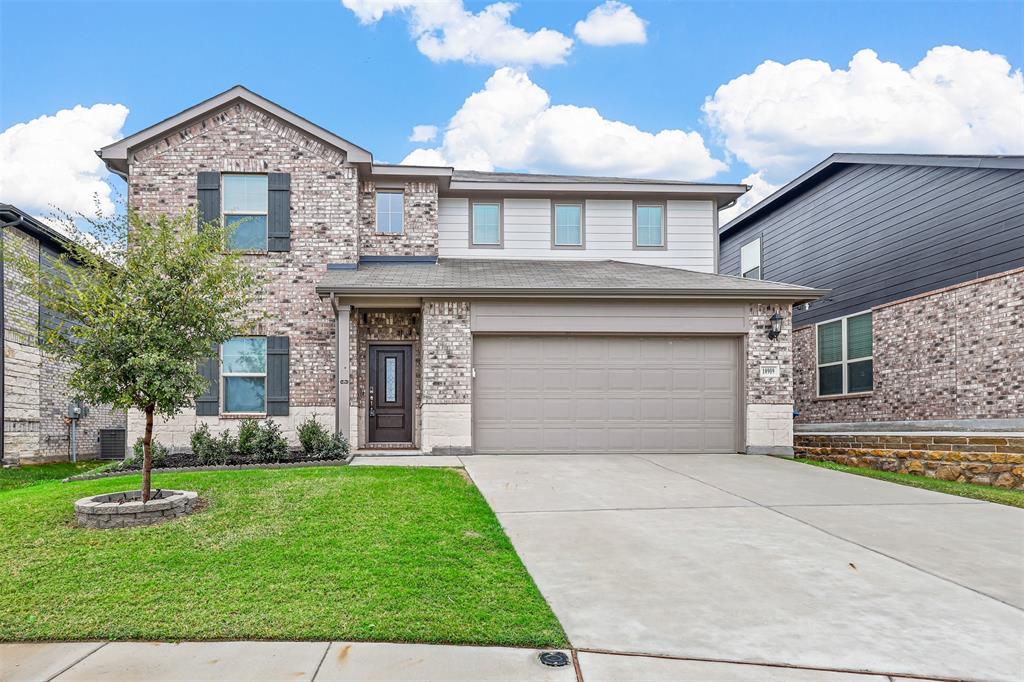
column 419, row 222
column 324, row 203
column 956, row 353
column 990, row 459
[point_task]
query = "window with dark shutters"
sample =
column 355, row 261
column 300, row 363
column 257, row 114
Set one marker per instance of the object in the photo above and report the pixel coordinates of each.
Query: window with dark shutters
column 277, row 376
column 208, row 196
column 208, row 404
column 278, row 212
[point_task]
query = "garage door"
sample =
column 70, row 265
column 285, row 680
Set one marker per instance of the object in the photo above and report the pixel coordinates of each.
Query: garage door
column 550, row 394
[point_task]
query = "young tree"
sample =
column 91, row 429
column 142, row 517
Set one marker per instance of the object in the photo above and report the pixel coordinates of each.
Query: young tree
column 139, row 304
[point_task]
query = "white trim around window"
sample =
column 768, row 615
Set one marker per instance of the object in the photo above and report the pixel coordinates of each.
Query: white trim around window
column 849, row 369
column 642, row 211
column 390, row 211
column 750, row 259
column 245, row 197
column 487, row 242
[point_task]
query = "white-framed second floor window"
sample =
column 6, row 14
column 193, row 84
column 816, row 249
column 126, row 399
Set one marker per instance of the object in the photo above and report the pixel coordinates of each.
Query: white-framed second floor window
column 750, row 259
column 485, row 223
column 844, row 354
column 244, row 201
column 649, row 225
column 567, row 224
column 243, row 375
column 390, row 212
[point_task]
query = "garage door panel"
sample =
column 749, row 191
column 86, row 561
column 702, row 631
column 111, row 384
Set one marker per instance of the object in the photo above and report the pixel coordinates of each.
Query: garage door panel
column 605, row 394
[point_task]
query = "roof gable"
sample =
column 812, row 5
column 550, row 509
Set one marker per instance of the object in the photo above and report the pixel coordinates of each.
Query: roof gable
column 115, row 155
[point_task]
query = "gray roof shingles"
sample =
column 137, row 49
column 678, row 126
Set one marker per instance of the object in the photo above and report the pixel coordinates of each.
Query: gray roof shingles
column 492, row 276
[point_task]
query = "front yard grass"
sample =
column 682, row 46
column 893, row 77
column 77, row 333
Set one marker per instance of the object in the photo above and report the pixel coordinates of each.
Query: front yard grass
column 331, row 553
column 1013, row 498
column 17, row 477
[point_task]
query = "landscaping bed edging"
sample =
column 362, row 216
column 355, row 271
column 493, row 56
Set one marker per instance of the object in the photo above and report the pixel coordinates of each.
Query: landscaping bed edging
column 126, row 509
column 215, row 467
column 983, row 460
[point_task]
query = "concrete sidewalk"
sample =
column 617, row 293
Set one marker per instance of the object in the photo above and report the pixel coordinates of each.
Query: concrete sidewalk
column 364, row 661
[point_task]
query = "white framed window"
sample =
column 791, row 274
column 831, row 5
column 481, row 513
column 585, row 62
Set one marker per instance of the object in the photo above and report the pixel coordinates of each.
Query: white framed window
column 649, row 225
column 567, row 224
column 750, row 259
column 390, row 212
column 844, row 355
column 485, row 228
column 243, row 375
column 244, row 207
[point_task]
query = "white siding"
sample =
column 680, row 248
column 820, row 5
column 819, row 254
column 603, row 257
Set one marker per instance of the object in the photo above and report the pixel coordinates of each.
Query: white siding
column 608, row 229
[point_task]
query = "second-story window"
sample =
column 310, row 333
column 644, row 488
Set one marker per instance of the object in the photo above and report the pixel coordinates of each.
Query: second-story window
column 568, row 224
column 649, row 226
column 244, row 208
column 390, row 212
column 486, row 223
column 750, row 259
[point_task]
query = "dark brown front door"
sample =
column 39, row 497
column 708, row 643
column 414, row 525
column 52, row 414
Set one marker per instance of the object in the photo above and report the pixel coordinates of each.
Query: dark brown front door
column 390, row 412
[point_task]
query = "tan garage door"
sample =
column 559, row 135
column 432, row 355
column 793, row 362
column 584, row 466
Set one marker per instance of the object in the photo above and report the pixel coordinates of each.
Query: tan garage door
column 550, row 394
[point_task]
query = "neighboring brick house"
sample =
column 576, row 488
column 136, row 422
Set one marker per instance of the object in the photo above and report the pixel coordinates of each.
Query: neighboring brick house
column 35, row 396
column 915, row 359
column 452, row 311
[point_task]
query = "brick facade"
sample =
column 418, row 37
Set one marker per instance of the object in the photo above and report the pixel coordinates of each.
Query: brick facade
column 957, row 353
column 324, row 229
column 36, row 391
column 419, row 222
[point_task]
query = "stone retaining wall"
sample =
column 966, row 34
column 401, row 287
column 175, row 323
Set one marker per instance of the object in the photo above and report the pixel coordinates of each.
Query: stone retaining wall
column 986, row 460
column 112, row 511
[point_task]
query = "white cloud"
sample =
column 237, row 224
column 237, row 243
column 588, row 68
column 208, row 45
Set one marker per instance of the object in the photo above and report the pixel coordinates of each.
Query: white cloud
column 423, row 133
column 51, row 161
column 613, row 23
column 759, row 189
column 445, row 31
column 786, row 117
column 512, row 124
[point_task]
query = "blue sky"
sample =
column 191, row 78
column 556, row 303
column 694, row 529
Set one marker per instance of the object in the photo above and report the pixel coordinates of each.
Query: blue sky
column 370, row 83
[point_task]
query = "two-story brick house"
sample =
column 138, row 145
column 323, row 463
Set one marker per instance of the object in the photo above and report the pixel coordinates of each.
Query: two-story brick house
column 456, row 311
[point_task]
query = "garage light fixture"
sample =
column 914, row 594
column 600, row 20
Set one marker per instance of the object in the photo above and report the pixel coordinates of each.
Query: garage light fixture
column 776, row 329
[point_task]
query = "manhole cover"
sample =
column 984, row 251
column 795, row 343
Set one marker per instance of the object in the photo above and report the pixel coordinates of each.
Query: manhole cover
column 554, row 659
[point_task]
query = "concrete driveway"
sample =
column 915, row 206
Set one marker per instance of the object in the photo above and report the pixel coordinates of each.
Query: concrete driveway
column 760, row 560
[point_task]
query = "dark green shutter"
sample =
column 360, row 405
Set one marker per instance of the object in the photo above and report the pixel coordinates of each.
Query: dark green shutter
column 208, row 196
column 208, row 404
column 277, row 376
column 279, row 225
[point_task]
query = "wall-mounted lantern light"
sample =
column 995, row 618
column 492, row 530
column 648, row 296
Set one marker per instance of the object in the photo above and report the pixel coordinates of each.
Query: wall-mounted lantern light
column 776, row 329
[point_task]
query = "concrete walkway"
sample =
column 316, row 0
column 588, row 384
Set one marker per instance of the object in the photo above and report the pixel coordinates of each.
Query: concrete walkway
column 363, row 662
column 763, row 561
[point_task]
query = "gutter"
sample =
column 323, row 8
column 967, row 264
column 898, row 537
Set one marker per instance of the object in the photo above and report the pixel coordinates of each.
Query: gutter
column 797, row 296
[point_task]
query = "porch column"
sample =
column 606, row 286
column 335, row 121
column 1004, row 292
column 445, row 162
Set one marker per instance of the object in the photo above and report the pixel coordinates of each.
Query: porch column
column 341, row 370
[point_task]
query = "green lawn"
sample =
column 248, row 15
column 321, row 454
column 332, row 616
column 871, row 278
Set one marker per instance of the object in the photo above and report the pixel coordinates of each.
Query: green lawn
column 331, row 553
column 16, row 477
column 1014, row 498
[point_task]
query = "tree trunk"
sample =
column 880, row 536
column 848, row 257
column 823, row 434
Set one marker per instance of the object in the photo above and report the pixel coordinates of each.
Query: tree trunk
column 147, row 454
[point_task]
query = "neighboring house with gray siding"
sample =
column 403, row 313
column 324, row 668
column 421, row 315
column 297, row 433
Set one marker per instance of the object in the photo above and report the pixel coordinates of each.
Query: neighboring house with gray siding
column 452, row 311
column 923, row 326
column 36, row 396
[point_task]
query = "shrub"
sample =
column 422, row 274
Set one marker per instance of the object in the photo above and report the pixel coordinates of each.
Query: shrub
column 313, row 437
column 159, row 454
column 210, row 450
column 248, row 438
column 268, row 444
column 318, row 443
